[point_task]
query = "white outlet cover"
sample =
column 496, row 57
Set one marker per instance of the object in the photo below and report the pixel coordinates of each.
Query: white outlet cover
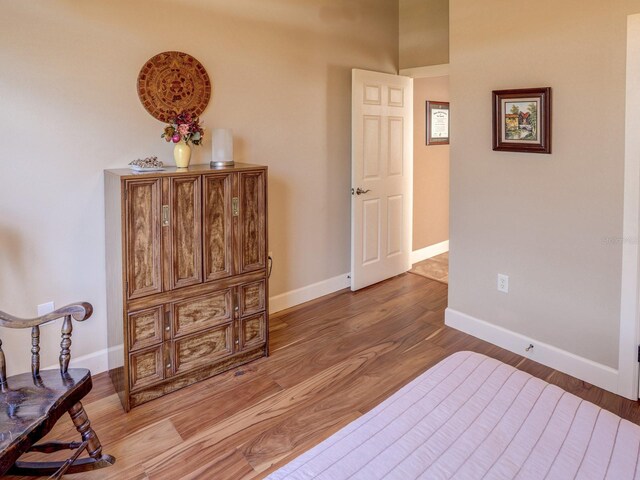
column 503, row 283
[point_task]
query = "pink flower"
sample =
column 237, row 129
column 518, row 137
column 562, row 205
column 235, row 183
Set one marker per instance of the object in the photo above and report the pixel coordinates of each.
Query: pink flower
column 183, row 129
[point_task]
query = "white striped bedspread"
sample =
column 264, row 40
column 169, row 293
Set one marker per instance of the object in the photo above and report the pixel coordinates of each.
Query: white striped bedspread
column 474, row 417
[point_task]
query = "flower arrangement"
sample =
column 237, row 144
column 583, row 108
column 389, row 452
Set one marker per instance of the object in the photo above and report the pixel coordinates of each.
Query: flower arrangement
column 184, row 127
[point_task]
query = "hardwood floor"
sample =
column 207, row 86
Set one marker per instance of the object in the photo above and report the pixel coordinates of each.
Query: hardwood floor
column 331, row 360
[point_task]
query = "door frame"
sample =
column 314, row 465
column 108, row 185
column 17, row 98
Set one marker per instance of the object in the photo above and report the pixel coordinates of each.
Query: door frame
column 430, row 71
column 628, row 371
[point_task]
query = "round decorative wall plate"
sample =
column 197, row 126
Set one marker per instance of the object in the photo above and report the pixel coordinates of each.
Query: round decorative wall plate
column 171, row 83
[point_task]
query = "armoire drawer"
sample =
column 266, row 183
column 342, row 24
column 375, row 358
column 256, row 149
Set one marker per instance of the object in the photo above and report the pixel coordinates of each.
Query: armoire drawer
column 202, row 348
column 145, row 328
column 253, row 331
column 146, row 367
column 200, row 313
column 251, row 297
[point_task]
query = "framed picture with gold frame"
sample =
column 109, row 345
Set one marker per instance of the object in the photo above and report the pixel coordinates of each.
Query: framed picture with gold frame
column 437, row 123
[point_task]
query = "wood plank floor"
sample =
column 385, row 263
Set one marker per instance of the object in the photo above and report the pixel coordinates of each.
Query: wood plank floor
column 331, row 361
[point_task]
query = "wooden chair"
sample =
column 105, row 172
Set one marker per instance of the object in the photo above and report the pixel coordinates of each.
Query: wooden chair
column 33, row 402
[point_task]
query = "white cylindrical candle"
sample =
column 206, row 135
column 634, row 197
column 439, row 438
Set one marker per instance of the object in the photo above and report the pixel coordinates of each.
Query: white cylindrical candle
column 222, row 150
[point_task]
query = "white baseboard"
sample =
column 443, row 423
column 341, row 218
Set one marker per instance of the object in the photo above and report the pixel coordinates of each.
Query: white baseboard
column 430, row 251
column 595, row 373
column 310, row 292
column 97, row 362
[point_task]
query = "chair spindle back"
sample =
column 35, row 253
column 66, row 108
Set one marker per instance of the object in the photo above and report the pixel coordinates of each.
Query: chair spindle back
column 35, row 351
column 65, row 344
column 77, row 311
column 3, row 370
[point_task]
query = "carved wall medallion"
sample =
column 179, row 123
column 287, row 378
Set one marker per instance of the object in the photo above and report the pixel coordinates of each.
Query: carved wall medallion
column 173, row 82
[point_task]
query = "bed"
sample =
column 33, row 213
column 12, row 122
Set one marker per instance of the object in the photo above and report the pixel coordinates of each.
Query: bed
column 473, row 417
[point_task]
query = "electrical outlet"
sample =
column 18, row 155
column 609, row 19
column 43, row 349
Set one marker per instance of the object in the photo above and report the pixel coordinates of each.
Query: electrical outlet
column 503, row 283
column 45, row 308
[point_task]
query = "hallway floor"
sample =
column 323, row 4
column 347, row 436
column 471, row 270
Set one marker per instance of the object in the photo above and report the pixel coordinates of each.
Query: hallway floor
column 435, row 268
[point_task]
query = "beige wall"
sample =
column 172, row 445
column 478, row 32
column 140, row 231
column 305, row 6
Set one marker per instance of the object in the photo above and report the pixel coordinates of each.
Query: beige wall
column 430, row 169
column 551, row 222
column 281, row 71
column 424, row 32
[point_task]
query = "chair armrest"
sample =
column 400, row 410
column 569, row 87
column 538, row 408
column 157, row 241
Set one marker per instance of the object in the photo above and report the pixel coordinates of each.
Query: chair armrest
column 79, row 311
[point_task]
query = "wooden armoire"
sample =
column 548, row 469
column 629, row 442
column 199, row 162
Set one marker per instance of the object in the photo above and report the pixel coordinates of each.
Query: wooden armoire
column 187, row 290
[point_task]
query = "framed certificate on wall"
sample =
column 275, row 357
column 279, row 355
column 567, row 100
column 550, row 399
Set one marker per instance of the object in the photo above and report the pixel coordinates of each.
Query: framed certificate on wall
column 437, row 123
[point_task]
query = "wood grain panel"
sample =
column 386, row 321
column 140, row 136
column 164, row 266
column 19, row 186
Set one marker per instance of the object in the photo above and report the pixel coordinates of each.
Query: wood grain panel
column 145, row 328
column 190, row 235
column 198, row 374
column 217, row 227
column 186, row 249
column 146, row 367
column 251, row 223
column 194, row 290
column 202, row 348
column 252, row 298
column 144, row 275
column 253, row 331
column 200, row 313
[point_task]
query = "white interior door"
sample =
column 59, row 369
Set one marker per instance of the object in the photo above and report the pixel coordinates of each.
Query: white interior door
column 381, row 176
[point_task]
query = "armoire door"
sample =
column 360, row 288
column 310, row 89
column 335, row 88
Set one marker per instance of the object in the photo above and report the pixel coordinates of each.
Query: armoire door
column 217, row 243
column 143, row 239
column 186, row 238
column 251, row 214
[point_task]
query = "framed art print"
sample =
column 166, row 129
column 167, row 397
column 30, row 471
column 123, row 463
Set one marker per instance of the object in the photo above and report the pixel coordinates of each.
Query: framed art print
column 522, row 120
column 437, row 123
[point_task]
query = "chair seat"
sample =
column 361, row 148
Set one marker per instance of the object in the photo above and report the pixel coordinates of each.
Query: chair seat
column 29, row 408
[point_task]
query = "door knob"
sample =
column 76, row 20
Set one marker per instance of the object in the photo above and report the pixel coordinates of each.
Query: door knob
column 360, row 191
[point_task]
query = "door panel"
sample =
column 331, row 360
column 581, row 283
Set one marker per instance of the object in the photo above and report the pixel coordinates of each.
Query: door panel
column 396, row 145
column 217, row 226
column 382, row 176
column 252, row 297
column 146, row 367
column 395, row 225
column 202, row 348
column 200, row 313
column 371, row 229
column 251, row 221
column 145, row 328
column 144, row 262
column 253, row 332
column 371, row 145
column 186, row 256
